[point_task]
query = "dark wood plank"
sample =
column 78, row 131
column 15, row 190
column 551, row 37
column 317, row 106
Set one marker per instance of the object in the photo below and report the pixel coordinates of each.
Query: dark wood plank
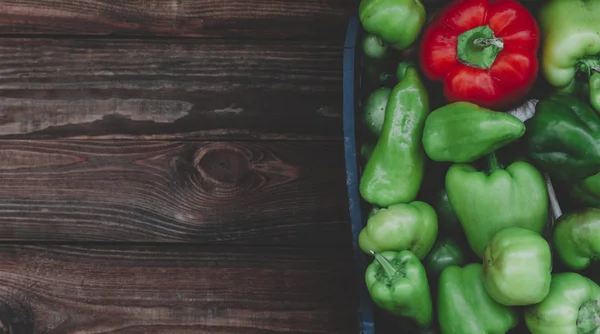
column 314, row 19
column 290, row 193
column 171, row 289
column 58, row 88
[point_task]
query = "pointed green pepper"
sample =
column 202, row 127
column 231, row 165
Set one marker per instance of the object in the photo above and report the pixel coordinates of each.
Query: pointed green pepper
column 486, row 202
column 394, row 172
column 397, row 283
column 465, row 132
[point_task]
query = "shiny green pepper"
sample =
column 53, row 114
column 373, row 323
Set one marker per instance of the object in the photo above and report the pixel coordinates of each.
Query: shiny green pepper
column 517, row 265
column 487, row 201
column 395, row 169
column 577, row 238
column 465, row 307
column 398, row 284
column 397, row 22
column 571, row 307
column 403, row 226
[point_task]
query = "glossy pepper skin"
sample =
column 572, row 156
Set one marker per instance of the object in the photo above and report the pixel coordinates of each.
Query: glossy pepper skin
column 577, row 238
column 397, row 22
column 571, row 45
column 394, row 172
column 563, row 137
column 464, row 306
column 465, row 132
column 486, row 202
column 445, row 252
column 517, row 266
column 403, row 226
column 373, row 112
column 483, row 51
column 398, row 284
column 571, row 307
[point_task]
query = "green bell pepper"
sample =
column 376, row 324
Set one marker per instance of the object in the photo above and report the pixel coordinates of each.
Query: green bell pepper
column 398, row 22
column 486, row 202
column 403, row 226
column 398, row 284
column 517, row 266
column 571, row 307
column 563, row 137
column 464, row 132
column 394, row 172
column 445, row 252
column 464, row 306
column 373, row 112
column 570, row 45
column 577, row 238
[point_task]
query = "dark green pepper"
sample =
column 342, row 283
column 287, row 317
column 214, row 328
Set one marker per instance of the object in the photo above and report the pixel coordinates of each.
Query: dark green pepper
column 397, row 283
column 464, row 306
column 563, row 137
column 445, row 252
column 464, row 132
column 447, row 219
column 577, row 238
column 394, row 172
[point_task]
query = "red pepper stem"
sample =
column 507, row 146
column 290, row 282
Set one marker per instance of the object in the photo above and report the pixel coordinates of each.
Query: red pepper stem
column 385, row 264
column 478, row 47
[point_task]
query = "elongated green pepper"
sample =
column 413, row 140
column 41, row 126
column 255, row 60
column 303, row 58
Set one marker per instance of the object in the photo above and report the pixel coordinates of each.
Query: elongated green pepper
column 486, row 202
column 394, row 172
column 464, row 132
column 577, row 238
column 571, row 307
column 397, row 283
column 465, row 307
column 570, row 44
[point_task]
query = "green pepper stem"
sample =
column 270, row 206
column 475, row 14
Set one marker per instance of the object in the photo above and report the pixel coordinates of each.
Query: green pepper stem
column 498, row 42
column 385, row 264
column 588, row 65
column 588, row 319
column 493, row 164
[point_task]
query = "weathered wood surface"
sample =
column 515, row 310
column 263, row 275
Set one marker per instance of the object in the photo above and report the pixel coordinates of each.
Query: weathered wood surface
column 165, row 89
column 258, row 19
column 211, row 192
column 174, row 289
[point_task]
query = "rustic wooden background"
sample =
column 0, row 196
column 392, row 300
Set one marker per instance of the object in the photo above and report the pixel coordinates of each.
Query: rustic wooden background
column 173, row 166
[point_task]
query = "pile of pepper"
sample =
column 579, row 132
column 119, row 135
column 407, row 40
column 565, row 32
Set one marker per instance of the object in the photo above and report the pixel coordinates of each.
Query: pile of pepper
column 472, row 115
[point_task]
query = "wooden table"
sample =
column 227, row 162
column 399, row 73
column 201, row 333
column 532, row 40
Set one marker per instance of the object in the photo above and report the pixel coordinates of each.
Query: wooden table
column 173, row 166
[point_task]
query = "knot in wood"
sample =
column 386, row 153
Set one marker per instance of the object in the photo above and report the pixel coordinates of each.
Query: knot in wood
column 222, row 163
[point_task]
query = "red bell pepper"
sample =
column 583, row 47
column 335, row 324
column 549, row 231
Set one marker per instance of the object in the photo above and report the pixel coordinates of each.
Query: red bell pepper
column 484, row 51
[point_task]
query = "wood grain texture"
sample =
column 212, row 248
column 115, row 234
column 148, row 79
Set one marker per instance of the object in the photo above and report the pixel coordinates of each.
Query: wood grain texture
column 259, row 19
column 290, row 193
column 169, row 89
column 175, row 289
